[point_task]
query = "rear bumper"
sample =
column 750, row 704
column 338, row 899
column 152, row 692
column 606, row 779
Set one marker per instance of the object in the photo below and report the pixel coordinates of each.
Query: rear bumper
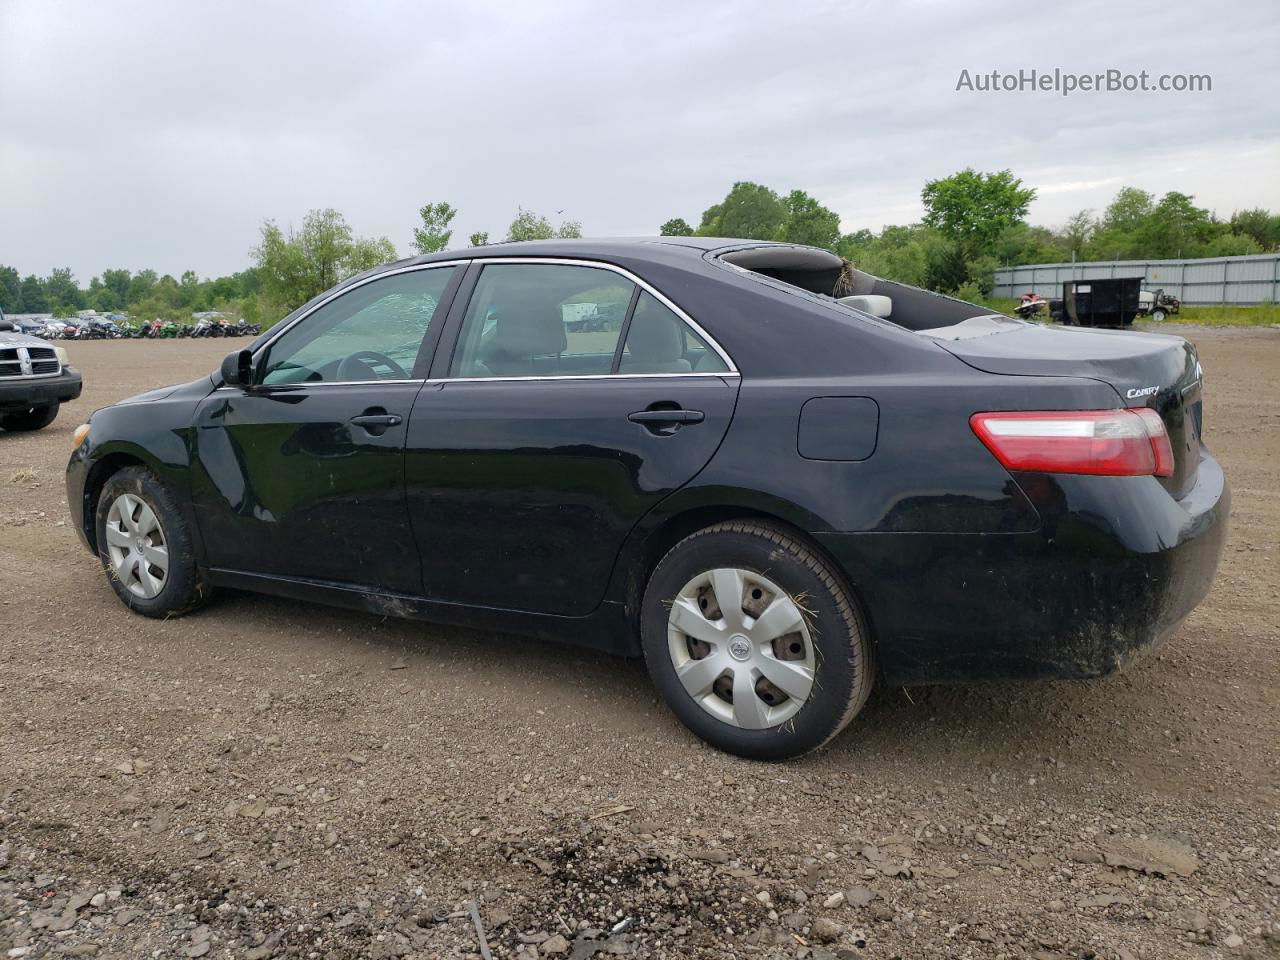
column 1115, row 568
column 24, row 394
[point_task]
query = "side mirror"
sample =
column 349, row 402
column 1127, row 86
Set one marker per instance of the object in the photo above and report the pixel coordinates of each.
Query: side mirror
column 237, row 369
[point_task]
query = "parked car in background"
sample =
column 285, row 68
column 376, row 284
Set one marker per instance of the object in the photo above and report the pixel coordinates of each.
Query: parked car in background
column 34, row 380
column 777, row 479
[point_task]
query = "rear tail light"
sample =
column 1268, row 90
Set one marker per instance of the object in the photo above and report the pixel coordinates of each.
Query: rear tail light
column 1108, row 443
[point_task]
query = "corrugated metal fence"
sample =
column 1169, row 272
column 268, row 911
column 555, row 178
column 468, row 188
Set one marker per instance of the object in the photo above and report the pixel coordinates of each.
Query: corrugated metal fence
column 1240, row 281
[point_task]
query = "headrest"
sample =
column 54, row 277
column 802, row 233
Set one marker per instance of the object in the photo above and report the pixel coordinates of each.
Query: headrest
column 529, row 333
column 654, row 333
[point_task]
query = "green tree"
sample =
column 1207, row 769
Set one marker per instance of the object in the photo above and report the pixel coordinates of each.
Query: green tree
column 675, row 227
column 529, row 226
column 117, row 281
column 1262, row 225
column 10, row 290
column 433, row 236
column 809, row 222
column 140, row 286
column 294, row 267
column 972, row 209
column 1078, row 229
column 1130, row 209
column 479, row 239
column 62, row 290
column 1176, row 228
column 34, row 299
column 750, row 211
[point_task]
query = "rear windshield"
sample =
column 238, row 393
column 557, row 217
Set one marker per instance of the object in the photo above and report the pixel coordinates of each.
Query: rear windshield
column 828, row 275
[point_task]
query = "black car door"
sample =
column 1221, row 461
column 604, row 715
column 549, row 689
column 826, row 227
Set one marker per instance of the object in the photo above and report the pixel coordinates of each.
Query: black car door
column 302, row 474
column 573, row 401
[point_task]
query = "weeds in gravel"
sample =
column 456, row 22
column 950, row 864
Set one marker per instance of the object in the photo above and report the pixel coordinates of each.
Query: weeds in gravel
column 23, row 475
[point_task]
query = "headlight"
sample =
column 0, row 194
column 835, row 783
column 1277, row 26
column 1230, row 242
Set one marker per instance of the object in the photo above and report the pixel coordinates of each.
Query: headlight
column 61, row 354
column 80, row 436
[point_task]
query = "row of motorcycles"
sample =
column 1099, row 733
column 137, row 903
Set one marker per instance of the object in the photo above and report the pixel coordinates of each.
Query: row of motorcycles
column 97, row 329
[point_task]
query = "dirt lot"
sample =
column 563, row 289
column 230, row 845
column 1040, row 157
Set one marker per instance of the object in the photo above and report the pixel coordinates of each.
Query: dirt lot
column 269, row 779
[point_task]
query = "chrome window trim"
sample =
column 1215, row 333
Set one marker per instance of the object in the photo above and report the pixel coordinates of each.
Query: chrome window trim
column 412, row 268
column 589, row 376
column 485, row 261
column 441, row 381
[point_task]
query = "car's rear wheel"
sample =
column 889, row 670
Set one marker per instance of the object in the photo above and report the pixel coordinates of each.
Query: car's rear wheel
column 35, row 418
column 1158, row 315
column 754, row 641
column 145, row 546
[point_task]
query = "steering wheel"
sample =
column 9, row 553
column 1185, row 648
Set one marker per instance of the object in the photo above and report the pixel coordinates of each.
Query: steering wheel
column 360, row 366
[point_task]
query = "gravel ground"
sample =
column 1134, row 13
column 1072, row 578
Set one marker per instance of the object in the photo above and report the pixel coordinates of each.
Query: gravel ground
column 272, row 779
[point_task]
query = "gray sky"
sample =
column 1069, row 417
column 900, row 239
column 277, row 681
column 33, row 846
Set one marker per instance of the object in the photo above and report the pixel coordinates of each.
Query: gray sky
column 161, row 134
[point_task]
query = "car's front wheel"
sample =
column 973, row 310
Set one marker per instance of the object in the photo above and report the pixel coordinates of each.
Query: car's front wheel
column 145, row 546
column 755, row 642
column 36, row 418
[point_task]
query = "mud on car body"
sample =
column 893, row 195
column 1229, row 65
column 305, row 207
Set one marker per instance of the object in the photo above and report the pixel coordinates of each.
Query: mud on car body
column 774, row 477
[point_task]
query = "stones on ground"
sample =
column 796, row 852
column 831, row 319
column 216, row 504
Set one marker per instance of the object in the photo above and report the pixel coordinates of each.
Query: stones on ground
column 860, row 896
column 1193, row 922
column 1233, row 941
column 554, row 945
column 1103, row 900
column 254, row 809
column 825, row 930
column 710, row 856
column 1163, row 858
column 834, row 901
column 983, row 839
column 1080, row 855
column 399, row 664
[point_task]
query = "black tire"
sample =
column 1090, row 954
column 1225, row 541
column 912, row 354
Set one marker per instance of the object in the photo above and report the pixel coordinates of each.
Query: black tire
column 34, row 419
column 185, row 588
column 844, row 658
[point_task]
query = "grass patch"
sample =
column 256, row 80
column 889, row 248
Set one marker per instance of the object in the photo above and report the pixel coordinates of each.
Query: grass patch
column 1263, row 316
column 23, row 475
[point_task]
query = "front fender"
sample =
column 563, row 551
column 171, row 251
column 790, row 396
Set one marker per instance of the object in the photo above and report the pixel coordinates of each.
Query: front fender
column 156, row 434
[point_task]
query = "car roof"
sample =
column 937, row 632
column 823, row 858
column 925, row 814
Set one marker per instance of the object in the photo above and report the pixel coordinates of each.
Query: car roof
column 636, row 249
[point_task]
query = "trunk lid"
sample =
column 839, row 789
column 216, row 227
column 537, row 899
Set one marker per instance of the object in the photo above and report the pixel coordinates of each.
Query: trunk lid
column 1145, row 370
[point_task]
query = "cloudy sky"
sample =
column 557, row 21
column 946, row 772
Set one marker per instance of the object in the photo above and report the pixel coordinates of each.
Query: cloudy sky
column 161, row 133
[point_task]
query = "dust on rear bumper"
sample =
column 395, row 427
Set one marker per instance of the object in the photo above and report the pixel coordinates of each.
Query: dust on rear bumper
column 1117, row 565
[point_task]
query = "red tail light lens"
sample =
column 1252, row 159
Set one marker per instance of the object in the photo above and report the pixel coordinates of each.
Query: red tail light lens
column 1108, row 443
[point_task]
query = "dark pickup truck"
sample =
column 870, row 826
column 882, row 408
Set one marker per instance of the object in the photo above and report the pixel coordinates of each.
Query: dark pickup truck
column 34, row 380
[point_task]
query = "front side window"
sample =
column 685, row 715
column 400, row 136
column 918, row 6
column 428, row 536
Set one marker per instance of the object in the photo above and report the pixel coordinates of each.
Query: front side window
column 542, row 320
column 372, row 332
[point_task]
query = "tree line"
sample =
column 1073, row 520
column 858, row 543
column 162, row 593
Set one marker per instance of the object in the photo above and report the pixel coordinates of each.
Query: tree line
column 973, row 223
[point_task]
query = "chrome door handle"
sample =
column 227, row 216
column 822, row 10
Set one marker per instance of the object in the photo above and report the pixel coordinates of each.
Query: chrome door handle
column 667, row 416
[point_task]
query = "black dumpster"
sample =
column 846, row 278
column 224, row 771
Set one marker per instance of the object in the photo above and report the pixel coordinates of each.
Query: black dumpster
column 1101, row 303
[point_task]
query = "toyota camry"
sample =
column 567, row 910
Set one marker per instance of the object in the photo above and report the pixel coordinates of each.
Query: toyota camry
column 774, row 477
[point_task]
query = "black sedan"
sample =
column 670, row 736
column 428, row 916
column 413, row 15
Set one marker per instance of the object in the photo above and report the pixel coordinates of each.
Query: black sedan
column 771, row 475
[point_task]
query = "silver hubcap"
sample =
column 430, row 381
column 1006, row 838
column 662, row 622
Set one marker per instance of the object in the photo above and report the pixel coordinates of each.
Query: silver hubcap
column 741, row 648
column 136, row 546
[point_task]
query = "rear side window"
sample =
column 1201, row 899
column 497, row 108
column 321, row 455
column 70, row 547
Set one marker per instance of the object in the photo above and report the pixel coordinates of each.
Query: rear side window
column 542, row 320
column 658, row 341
